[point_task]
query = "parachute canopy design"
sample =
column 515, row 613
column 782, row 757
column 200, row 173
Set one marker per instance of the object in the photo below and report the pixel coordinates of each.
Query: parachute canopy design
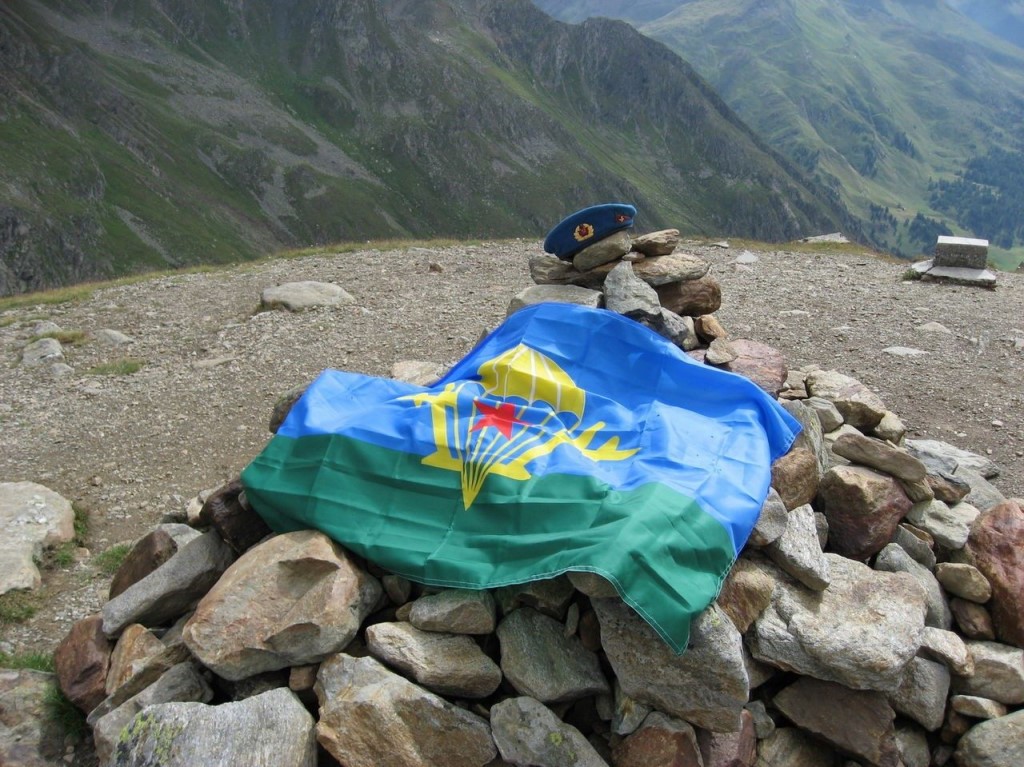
column 569, row 439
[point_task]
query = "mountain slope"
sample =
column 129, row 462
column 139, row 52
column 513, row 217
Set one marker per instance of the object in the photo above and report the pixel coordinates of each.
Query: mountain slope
column 1003, row 18
column 136, row 134
column 880, row 99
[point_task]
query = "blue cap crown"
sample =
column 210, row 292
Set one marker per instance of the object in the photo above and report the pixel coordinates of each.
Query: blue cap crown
column 585, row 227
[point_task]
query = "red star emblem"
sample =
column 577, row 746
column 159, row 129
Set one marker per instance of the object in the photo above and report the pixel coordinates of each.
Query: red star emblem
column 502, row 417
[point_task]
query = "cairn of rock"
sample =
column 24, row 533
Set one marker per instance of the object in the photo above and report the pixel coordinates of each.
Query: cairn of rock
column 876, row 616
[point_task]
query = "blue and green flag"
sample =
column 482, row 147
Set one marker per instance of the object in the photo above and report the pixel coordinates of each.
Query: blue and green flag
column 569, row 439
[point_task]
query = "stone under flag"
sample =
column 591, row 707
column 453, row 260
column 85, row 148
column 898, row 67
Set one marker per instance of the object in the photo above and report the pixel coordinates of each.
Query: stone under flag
column 569, row 439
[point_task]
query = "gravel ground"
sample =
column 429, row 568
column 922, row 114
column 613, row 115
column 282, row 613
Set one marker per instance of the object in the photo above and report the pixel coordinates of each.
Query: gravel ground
column 131, row 449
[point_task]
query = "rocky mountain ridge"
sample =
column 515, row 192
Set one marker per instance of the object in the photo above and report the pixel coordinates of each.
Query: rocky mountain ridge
column 137, row 136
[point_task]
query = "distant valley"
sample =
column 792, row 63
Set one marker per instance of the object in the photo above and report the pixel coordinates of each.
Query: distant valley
column 909, row 110
column 146, row 134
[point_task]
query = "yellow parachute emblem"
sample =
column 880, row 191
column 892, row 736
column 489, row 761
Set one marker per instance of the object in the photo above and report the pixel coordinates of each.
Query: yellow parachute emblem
column 520, row 379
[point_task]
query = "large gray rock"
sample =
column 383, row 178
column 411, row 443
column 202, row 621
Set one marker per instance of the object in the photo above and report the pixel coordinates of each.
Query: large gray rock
column 181, row 683
column 301, row 296
column 798, row 552
column 266, row 730
column 812, row 434
column 448, row 664
column 998, row 673
column 540, row 661
column 941, row 456
column 372, row 717
column 172, row 589
column 948, row 525
column 894, row 559
column 455, row 611
column 860, row 632
column 856, row 721
column 995, row 743
column 922, row 692
column 528, row 733
column 32, row 517
column 706, row 685
column 293, row 599
column 43, row 351
column 627, row 294
column 859, row 406
column 562, row 294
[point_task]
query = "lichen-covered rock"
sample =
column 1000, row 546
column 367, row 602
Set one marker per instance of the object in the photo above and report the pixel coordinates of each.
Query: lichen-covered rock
column 267, row 730
column 528, row 732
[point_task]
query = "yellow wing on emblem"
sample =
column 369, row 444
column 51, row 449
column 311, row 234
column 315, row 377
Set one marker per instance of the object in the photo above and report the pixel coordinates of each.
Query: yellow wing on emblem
column 522, row 377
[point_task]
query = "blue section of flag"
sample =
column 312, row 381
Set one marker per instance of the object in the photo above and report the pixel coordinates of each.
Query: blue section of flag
column 705, row 433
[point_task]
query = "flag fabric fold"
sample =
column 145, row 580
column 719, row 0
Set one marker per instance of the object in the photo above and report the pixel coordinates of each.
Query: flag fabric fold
column 569, row 439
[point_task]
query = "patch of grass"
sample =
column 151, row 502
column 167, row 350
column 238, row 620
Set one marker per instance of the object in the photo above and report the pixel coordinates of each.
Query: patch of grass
column 36, row 661
column 122, row 367
column 69, row 337
column 18, row 606
column 110, row 561
column 71, row 293
column 63, row 556
column 65, row 714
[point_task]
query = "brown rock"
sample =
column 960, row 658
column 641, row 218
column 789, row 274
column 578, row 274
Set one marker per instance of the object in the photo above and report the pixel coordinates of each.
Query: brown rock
column 857, row 721
column 730, row 749
column 231, row 516
column 691, row 298
column 863, row 509
column 659, row 742
column 996, row 547
column 745, row 594
column 972, row 619
column 760, row 363
column 881, row 456
column 709, row 328
column 662, row 270
column 134, row 646
column 81, row 661
column 795, row 477
column 660, row 243
column 151, row 551
column 947, row 488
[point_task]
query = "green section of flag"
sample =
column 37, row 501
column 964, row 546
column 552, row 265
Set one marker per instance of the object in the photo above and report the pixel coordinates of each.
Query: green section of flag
column 665, row 555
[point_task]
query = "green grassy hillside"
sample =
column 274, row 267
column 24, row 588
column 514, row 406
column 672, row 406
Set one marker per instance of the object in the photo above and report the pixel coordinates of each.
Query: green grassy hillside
column 881, row 100
column 141, row 134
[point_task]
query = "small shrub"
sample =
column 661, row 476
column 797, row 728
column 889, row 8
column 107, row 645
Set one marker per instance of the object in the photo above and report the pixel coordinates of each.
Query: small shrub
column 122, row 367
column 36, row 661
column 65, row 714
column 18, row 606
column 68, row 337
column 110, row 561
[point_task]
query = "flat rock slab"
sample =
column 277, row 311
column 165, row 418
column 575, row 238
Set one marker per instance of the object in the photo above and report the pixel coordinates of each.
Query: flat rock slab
column 263, row 731
column 860, row 632
column 960, row 275
column 32, row 517
column 302, row 296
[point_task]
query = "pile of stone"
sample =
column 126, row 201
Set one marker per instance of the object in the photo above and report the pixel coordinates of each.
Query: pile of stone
column 876, row 616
